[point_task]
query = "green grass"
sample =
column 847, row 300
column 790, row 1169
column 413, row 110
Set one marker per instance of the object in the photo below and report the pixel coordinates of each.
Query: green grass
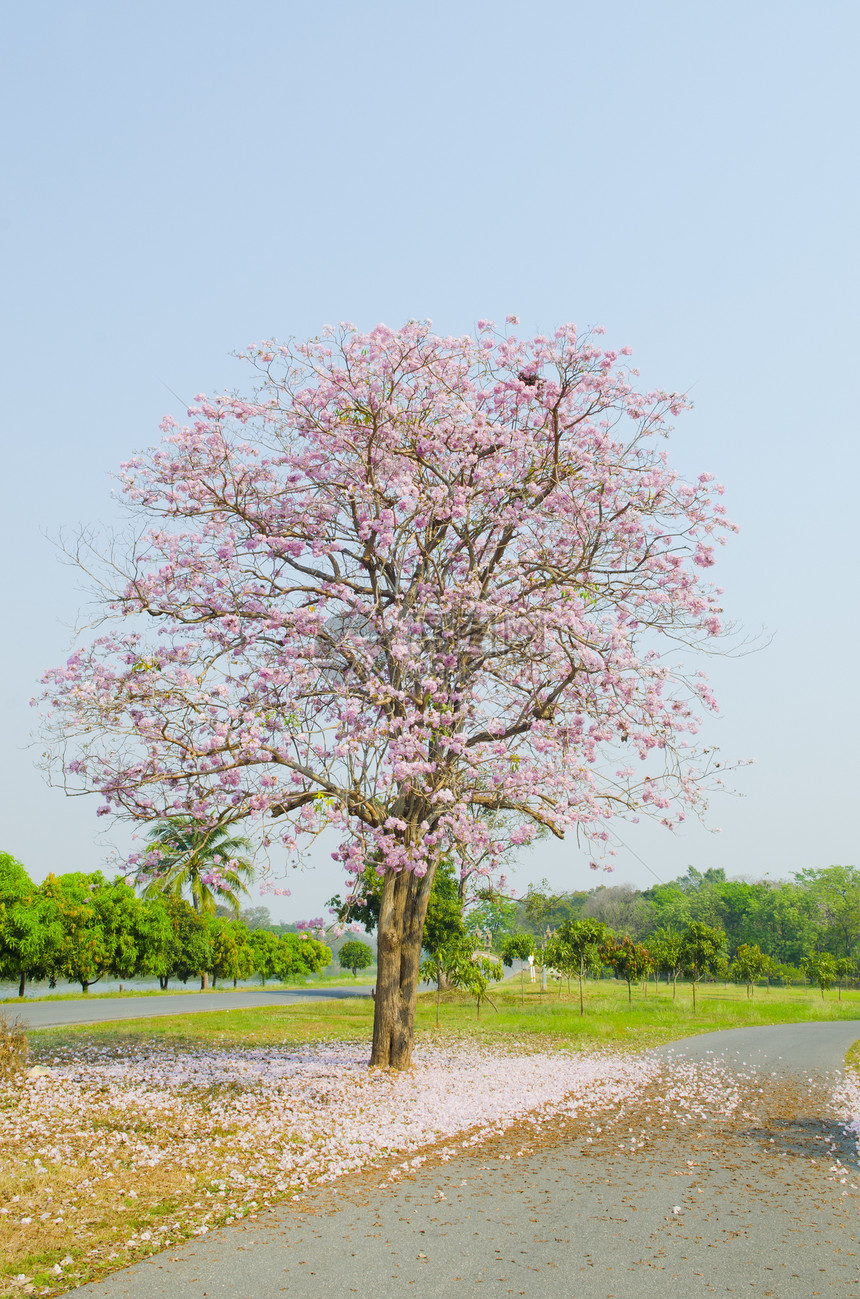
column 609, row 1021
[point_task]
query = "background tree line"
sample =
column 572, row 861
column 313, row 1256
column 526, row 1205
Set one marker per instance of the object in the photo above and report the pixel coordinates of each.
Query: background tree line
column 84, row 927
column 815, row 911
column 701, row 925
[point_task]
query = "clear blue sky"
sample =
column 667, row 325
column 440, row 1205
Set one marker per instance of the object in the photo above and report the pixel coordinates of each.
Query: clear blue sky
column 180, row 179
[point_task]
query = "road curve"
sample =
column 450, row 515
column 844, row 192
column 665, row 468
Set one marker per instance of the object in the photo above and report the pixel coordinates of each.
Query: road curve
column 56, row 1014
column 754, row 1208
column 805, row 1050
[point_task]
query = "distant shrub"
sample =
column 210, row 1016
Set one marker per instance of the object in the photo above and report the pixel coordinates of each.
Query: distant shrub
column 786, row 975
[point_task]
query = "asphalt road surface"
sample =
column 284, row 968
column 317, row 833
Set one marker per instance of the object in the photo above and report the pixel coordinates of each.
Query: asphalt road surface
column 52, row 1014
column 758, row 1207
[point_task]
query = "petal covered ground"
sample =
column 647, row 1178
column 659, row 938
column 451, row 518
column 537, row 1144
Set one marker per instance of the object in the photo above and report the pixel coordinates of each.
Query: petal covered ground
column 116, row 1152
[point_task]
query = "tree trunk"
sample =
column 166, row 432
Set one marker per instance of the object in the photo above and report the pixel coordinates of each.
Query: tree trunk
column 401, row 925
column 581, row 1001
column 204, row 979
column 21, row 984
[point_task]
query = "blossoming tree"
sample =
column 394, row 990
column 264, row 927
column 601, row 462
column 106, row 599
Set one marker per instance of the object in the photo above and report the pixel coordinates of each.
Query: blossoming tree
column 426, row 590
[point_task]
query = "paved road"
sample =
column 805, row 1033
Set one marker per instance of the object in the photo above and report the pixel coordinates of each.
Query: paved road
column 805, row 1050
column 51, row 1014
column 753, row 1209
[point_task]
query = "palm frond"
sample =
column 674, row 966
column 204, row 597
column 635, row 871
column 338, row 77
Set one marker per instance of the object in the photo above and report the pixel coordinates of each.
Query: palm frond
column 187, row 851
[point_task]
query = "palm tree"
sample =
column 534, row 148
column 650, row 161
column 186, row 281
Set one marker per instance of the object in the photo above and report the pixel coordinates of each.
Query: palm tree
column 189, row 852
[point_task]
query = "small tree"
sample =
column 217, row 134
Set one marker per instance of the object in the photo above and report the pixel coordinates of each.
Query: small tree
column 630, row 961
column 189, row 952
column 435, row 966
column 559, row 958
column 750, row 963
column 475, row 976
column 581, row 944
column 846, row 969
column 355, row 956
column 701, row 952
column 518, row 947
column 461, row 968
column 232, row 954
column 442, row 965
column 666, row 946
column 820, row 968
column 300, row 955
column 264, row 945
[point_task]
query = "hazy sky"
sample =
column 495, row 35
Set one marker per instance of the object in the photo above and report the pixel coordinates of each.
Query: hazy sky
column 181, row 179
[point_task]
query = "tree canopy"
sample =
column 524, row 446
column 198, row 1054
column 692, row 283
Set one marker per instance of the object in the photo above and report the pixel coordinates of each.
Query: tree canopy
column 106, row 928
column 30, row 929
column 355, row 956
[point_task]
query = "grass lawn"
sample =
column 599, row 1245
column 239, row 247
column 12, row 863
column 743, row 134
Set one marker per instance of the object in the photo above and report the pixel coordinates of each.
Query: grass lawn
column 94, row 1173
column 609, row 1019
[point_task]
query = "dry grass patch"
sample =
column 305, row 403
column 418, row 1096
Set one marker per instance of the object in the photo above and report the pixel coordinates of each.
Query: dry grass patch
column 13, row 1048
column 48, row 1213
column 87, row 1185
